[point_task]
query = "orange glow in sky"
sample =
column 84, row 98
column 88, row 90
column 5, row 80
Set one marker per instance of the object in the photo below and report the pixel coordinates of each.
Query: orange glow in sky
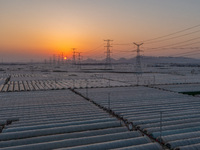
column 38, row 29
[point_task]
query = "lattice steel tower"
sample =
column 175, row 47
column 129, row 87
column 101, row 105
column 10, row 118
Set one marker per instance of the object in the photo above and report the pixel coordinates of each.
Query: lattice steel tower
column 54, row 59
column 74, row 56
column 62, row 58
column 138, row 68
column 79, row 60
column 108, row 64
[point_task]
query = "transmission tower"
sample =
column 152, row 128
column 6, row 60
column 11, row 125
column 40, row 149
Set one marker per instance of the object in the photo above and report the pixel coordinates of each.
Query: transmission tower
column 138, row 67
column 45, row 61
column 74, row 56
column 108, row 64
column 50, row 60
column 62, row 58
column 79, row 59
column 58, row 60
column 54, row 59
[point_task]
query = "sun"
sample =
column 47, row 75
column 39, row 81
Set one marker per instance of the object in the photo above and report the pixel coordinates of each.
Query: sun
column 65, row 58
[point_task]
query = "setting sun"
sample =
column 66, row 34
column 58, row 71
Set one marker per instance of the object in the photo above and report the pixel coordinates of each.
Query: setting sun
column 33, row 29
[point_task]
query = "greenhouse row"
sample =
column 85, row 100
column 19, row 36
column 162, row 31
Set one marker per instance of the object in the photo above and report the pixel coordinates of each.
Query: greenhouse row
column 165, row 116
column 181, row 87
column 36, row 85
column 62, row 120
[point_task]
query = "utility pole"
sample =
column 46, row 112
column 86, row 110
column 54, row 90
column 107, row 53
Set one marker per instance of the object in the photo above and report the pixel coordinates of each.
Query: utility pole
column 74, row 56
column 108, row 64
column 138, row 67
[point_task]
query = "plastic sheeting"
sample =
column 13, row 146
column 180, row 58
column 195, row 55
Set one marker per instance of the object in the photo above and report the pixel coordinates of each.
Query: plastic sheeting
column 112, row 144
column 81, row 141
column 63, row 136
column 178, row 143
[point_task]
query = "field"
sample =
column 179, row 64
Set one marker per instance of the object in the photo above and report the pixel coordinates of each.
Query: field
column 65, row 107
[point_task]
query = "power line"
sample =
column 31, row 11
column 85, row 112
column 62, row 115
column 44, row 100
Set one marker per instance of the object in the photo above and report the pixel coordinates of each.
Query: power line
column 188, row 44
column 173, row 37
column 180, row 48
column 177, row 47
column 120, row 50
column 185, row 53
column 125, row 56
column 94, row 48
column 180, row 31
column 123, row 44
column 155, row 49
column 94, row 56
column 191, row 54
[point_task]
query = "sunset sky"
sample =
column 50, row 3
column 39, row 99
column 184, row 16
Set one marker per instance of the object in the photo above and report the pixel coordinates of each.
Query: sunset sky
column 37, row 29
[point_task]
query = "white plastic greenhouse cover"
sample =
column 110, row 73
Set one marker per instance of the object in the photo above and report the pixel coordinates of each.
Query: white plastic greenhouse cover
column 16, row 129
column 180, row 136
column 112, row 144
column 81, row 141
column 148, row 146
column 190, row 147
column 178, row 143
column 51, row 131
column 63, row 136
column 177, row 131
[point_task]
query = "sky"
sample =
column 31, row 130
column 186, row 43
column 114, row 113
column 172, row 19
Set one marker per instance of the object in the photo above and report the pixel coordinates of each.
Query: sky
column 34, row 30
